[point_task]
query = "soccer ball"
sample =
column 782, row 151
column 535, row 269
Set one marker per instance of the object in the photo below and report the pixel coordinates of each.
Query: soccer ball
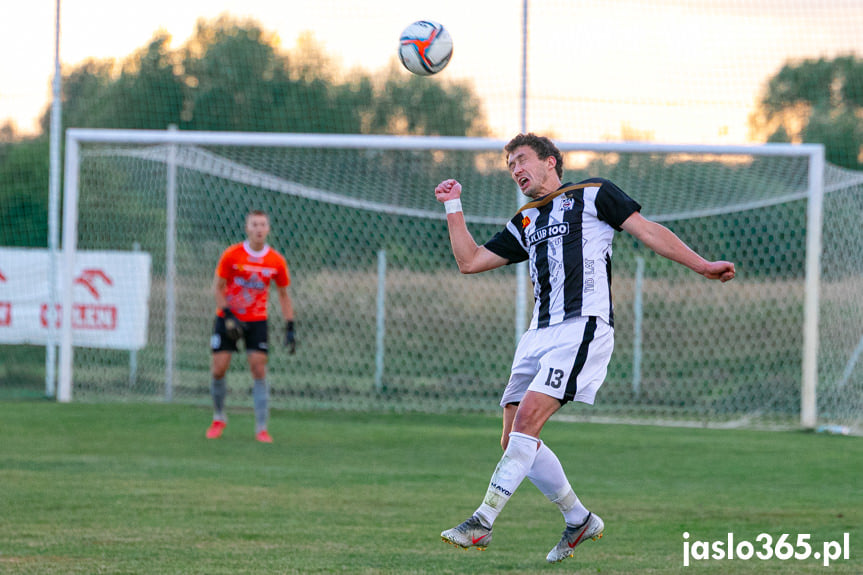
column 425, row 47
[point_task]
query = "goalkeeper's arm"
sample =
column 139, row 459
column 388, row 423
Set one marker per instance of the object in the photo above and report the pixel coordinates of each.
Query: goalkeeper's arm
column 288, row 314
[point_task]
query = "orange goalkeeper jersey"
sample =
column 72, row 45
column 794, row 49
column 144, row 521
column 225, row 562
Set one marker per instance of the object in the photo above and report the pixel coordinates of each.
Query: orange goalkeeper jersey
column 248, row 274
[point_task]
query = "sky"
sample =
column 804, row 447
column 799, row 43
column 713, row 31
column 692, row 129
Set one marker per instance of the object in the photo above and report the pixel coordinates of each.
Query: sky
column 675, row 70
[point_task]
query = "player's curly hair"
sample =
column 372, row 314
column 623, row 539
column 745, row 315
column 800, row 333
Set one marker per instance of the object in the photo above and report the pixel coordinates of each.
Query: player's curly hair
column 539, row 144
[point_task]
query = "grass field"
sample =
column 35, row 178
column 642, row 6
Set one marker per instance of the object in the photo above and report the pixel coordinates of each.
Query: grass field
column 135, row 488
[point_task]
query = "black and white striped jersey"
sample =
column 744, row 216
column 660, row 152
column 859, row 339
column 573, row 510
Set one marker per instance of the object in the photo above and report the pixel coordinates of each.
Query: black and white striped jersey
column 567, row 237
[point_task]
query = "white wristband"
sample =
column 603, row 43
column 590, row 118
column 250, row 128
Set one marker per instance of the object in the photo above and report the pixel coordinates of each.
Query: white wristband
column 452, row 206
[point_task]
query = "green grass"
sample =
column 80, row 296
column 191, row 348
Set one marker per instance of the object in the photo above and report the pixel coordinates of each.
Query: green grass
column 135, row 488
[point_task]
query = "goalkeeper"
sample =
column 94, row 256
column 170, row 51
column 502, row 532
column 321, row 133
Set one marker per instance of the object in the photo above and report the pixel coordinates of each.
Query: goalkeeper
column 241, row 288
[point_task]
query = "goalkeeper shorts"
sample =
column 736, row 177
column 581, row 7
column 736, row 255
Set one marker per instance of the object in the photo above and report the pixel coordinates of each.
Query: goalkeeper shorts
column 254, row 336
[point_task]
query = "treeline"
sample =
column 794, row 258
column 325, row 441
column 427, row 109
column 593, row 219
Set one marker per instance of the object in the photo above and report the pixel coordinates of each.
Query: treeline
column 231, row 75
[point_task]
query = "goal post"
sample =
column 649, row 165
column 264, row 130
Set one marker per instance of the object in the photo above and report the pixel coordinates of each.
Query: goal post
column 341, row 201
column 814, row 224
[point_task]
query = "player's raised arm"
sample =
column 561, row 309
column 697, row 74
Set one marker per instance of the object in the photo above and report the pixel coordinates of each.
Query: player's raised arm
column 470, row 257
column 666, row 243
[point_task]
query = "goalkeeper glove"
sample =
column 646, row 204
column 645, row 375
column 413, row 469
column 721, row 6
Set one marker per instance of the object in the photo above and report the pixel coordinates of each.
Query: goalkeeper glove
column 233, row 326
column 290, row 336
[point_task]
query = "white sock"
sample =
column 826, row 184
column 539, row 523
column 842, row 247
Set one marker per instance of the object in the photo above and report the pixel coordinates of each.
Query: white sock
column 548, row 476
column 509, row 473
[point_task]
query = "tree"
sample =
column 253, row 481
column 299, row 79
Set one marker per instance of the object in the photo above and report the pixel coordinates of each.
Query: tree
column 409, row 104
column 149, row 93
column 83, row 88
column 235, row 79
column 145, row 93
column 24, row 193
column 816, row 101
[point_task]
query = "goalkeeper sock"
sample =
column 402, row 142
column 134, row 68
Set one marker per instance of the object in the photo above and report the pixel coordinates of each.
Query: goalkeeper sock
column 548, row 476
column 219, row 391
column 260, row 393
column 511, row 470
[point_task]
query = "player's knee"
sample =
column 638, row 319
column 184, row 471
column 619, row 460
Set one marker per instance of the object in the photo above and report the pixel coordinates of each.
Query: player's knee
column 259, row 371
column 218, row 371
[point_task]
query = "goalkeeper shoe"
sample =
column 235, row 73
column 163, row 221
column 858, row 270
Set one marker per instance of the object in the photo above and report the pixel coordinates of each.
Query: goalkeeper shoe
column 264, row 436
column 216, row 428
column 575, row 536
column 471, row 533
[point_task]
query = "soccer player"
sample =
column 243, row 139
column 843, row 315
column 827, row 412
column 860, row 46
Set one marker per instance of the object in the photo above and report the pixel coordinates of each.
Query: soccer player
column 565, row 233
column 241, row 287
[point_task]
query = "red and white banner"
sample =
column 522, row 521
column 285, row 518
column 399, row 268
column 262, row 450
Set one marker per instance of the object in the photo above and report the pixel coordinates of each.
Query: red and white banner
column 110, row 298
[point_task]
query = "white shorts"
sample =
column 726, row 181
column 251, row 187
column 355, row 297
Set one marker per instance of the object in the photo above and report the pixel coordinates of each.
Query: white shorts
column 567, row 361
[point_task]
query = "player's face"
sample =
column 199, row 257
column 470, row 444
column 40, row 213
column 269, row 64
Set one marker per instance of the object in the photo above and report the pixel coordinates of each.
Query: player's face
column 257, row 229
column 531, row 174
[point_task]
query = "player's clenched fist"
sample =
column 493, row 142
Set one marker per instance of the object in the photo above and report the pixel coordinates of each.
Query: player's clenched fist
column 447, row 190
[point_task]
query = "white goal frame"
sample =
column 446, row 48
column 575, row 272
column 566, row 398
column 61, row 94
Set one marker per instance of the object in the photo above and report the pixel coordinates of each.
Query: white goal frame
column 75, row 137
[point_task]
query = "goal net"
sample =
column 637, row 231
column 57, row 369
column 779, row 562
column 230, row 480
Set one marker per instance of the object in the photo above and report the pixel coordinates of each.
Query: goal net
column 386, row 322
